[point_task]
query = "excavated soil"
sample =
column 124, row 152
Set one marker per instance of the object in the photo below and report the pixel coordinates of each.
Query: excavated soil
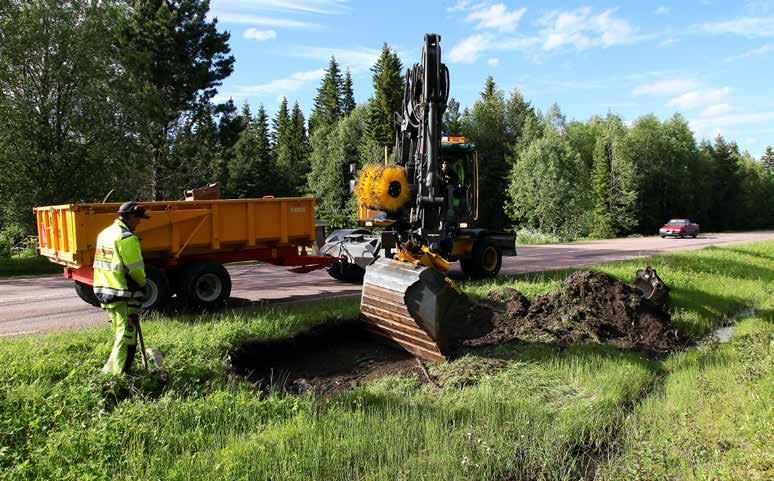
column 589, row 307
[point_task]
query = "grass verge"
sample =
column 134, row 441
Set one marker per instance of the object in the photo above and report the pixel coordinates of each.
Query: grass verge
column 520, row 411
column 27, row 265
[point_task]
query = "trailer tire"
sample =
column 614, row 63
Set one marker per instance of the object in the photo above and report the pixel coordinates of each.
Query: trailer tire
column 157, row 291
column 86, row 293
column 204, row 285
column 346, row 272
column 485, row 260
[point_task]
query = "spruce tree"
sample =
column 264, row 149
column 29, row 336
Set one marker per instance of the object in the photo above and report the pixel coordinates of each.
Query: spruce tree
column 387, row 99
column 327, row 105
column 612, row 182
column 768, row 159
column 280, row 123
column 347, row 95
column 292, row 155
column 452, row 118
column 725, row 183
column 523, row 123
column 486, row 125
column 250, row 172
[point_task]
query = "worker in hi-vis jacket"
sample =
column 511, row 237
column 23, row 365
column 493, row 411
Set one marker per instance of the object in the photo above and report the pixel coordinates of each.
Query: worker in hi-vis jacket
column 119, row 283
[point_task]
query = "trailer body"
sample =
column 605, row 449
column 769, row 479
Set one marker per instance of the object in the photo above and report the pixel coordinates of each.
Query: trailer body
column 187, row 238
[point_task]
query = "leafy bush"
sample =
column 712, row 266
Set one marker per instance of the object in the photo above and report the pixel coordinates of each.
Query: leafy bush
column 527, row 236
column 11, row 236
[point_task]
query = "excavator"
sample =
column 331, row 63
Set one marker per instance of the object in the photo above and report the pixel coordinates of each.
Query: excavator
column 418, row 216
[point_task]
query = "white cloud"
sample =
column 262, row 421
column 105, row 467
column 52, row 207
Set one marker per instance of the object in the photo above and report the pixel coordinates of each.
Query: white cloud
column 715, row 110
column 495, row 17
column 468, row 50
column 301, row 6
column 278, row 86
column 769, row 47
column 460, row 6
column 665, row 87
column 493, row 62
column 745, row 26
column 662, row 10
column 253, row 33
column 356, row 59
column 579, row 28
column 261, row 21
column 667, row 41
column 583, row 30
column 709, row 123
column 699, row 98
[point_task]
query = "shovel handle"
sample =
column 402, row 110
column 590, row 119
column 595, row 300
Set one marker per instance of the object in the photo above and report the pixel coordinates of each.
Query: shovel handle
column 142, row 343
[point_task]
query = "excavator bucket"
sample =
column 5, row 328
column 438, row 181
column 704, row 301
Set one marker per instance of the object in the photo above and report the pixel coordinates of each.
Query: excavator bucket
column 415, row 306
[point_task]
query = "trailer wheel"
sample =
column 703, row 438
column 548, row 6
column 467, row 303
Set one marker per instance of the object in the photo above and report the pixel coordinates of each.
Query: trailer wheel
column 485, row 260
column 157, row 292
column 204, row 285
column 86, row 293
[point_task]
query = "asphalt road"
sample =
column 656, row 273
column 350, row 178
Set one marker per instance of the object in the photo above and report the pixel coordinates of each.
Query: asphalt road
column 40, row 304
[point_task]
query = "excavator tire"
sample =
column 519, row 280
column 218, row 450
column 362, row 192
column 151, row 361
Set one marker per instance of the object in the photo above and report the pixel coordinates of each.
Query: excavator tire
column 484, row 262
column 346, row 272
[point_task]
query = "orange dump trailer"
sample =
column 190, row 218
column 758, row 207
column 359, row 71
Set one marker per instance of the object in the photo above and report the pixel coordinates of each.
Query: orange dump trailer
column 186, row 243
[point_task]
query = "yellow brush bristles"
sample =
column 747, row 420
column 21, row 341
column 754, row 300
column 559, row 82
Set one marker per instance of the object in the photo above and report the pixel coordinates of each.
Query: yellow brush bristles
column 391, row 189
column 365, row 185
column 382, row 188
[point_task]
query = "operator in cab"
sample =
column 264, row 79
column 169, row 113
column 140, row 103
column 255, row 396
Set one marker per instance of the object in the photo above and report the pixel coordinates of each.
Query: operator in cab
column 453, row 186
column 119, row 283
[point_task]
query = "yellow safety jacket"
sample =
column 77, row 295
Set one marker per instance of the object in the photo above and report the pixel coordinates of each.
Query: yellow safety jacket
column 119, row 271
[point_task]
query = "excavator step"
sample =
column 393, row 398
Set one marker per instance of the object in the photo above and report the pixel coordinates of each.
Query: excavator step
column 414, row 306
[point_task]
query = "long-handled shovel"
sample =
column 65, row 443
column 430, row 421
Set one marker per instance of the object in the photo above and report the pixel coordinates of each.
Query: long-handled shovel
column 157, row 360
column 142, row 343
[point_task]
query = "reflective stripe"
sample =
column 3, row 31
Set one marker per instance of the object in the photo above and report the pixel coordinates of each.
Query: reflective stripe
column 135, row 265
column 126, row 233
column 112, row 292
column 107, row 266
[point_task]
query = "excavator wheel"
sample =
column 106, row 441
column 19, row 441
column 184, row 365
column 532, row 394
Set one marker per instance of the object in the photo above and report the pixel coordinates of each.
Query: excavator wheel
column 346, row 272
column 485, row 260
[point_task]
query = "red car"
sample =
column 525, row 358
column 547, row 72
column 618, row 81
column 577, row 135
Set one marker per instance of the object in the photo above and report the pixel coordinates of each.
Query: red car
column 679, row 228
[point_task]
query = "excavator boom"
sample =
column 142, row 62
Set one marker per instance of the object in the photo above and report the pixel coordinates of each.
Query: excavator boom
column 409, row 300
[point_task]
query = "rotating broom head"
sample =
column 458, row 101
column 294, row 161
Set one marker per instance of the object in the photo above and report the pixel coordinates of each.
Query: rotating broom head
column 382, row 187
column 365, row 185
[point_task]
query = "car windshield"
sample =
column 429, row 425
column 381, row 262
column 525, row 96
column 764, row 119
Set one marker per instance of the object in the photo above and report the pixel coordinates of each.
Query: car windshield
column 678, row 222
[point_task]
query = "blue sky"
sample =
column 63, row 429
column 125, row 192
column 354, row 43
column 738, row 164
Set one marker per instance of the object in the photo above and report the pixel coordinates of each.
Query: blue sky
column 711, row 60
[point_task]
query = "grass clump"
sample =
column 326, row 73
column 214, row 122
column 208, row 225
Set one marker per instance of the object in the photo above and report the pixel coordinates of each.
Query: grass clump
column 27, row 263
column 516, row 411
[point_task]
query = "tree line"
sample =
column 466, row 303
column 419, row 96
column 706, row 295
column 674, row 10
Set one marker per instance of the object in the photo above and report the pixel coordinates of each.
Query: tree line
column 120, row 95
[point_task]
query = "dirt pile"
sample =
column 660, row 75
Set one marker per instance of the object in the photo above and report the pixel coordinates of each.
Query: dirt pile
column 590, row 306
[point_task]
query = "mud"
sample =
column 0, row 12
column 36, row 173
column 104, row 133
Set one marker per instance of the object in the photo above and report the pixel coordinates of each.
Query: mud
column 323, row 359
column 589, row 307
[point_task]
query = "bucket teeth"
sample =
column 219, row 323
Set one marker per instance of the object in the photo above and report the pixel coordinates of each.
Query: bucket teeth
column 410, row 305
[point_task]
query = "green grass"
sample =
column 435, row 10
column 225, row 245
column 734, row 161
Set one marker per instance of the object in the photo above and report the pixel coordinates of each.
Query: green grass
column 524, row 411
column 27, row 264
